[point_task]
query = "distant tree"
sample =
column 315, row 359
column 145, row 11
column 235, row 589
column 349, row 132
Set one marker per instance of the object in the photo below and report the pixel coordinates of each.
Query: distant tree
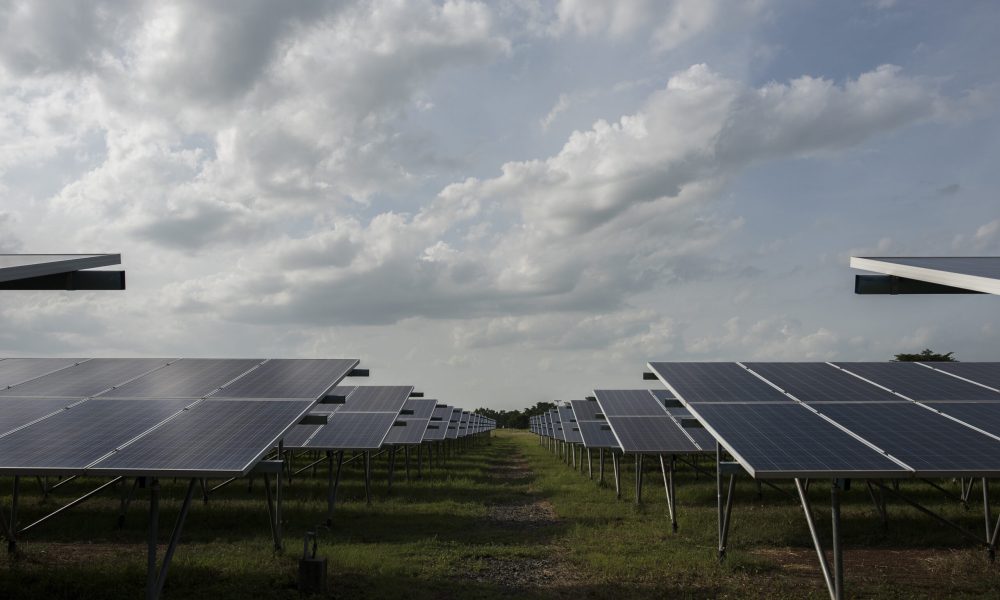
column 515, row 419
column 926, row 356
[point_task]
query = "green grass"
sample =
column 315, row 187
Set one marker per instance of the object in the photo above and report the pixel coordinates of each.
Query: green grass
column 435, row 538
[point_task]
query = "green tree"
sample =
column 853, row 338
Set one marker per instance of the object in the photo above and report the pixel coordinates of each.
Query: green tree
column 926, row 356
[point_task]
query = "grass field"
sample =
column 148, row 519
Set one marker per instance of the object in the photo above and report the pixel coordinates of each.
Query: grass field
column 504, row 519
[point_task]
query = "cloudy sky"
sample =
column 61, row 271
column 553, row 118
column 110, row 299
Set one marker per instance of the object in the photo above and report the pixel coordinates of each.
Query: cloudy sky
column 499, row 202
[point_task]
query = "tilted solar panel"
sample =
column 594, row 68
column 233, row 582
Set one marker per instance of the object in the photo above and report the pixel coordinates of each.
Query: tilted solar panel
column 437, row 429
column 72, row 439
column 570, row 427
column 418, row 408
column 715, row 382
column 597, row 434
column 406, row 432
column 300, row 434
column 218, row 438
column 586, row 410
column 17, row 412
column 383, row 398
column 782, row 440
column 186, row 378
column 289, row 378
column 453, row 424
column 353, row 431
column 982, row 415
column 87, row 378
column 919, row 383
column 641, row 423
column 985, row 373
column 931, row 444
column 820, row 382
column 631, row 403
column 18, row 370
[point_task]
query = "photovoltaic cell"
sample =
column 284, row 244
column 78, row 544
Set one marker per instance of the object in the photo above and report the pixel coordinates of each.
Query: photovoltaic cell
column 919, row 383
column 586, row 410
column 418, row 408
column 630, row 403
column 224, row 438
column 651, row 434
column 15, row 412
column 74, row 438
column 353, row 431
column 298, row 435
column 17, row 370
column 597, row 434
column 980, row 372
column 820, row 382
column 785, row 439
column 453, row 424
column 922, row 439
column 700, row 435
column 289, row 378
column 186, row 378
column 715, row 382
column 410, row 433
column 87, row 378
column 438, row 429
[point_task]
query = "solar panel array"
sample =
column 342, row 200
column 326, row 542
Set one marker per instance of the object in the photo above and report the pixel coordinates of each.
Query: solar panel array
column 149, row 416
column 594, row 429
column 362, row 423
column 847, row 419
column 412, row 423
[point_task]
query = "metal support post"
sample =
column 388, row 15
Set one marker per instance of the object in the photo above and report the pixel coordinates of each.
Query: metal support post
column 333, row 482
column 601, row 465
column 154, row 526
column 392, row 468
column 12, row 527
column 725, row 508
column 638, row 478
column 618, row 479
column 838, row 550
column 175, row 537
column 590, row 464
column 368, row 478
column 668, row 484
column 823, row 564
column 990, row 548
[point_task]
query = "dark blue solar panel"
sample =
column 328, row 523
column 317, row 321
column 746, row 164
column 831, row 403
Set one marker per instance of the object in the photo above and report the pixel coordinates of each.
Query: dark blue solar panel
column 438, row 429
column 186, row 378
column 820, row 382
column 984, row 415
column 919, row 437
column 715, row 382
column 651, row 434
column 629, row 403
column 700, row 435
column 597, row 434
column 406, row 431
column 782, row 440
column 571, row 429
column 223, row 438
column 370, row 398
column 586, row 410
column 289, row 378
column 72, row 439
column 418, row 408
column 919, row 383
column 15, row 412
column 353, row 431
column 18, row 370
column 87, row 378
column 982, row 372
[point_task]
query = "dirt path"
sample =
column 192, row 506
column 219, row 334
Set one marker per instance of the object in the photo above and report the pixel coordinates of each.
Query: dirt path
column 533, row 515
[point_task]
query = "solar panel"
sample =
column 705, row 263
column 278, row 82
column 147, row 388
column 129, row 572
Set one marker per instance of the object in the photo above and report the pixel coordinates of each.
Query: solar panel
column 641, row 424
column 186, row 378
column 922, row 439
column 715, row 382
column 982, row 415
column 977, row 273
column 980, row 372
column 70, row 440
column 418, row 408
column 700, row 435
column 300, row 434
column 819, row 382
column 16, row 412
column 218, row 438
column 570, row 428
column 353, row 431
column 438, row 427
column 87, row 378
column 919, row 383
column 631, row 403
column 406, row 431
column 785, row 439
column 22, row 266
column 17, row 370
column 289, row 378
column 595, row 432
column 370, row 398
column 453, row 424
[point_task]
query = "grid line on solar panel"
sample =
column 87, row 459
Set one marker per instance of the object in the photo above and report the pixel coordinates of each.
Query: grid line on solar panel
column 219, row 437
column 185, row 378
column 982, row 373
column 87, row 378
column 714, row 382
column 919, row 383
column 921, row 438
column 14, row 371
column 389, row 398
column 288, row 378
column 73, row 438
column 820, row 382
column 783, row 440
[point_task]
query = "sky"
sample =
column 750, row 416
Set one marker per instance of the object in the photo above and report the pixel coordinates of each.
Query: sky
column 499, row 202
